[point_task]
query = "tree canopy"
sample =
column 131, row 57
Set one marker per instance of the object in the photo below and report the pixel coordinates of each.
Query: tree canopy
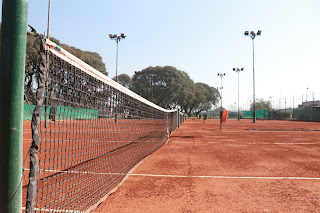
column 32, row 54
column 261, row 104
column 171, row 88
column 124, row 80
column 91, row 58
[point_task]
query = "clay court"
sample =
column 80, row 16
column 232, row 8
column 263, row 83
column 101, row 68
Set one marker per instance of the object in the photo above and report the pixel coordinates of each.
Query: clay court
column 269, row 166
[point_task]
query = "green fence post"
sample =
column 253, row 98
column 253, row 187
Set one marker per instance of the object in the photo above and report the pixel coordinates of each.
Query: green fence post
column 12, row 65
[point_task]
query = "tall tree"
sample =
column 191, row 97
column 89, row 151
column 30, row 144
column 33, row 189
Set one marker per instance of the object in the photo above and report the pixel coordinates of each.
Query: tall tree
column 160, row 85
column 172, row 88
column 203, row 99
column 124, row 80
column 261, row 104
column 33, row 44
column 91, row 58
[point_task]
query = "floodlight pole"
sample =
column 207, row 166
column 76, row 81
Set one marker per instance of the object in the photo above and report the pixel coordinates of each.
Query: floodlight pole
column 271, row 107
column 152, row 75
column 252, row 36
column 140, row 75
column 48, row 29
column 238, row 70
column 221, row 75
column 12, row 66
column 48, row 37
column 271, row 97
column 307, row 94
column 117, row 39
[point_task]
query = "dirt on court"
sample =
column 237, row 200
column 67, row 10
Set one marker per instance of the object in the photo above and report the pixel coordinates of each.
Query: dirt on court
column 269, row 166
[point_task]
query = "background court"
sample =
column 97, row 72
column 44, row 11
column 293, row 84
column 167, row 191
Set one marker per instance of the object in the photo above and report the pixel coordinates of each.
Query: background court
column 274, row 168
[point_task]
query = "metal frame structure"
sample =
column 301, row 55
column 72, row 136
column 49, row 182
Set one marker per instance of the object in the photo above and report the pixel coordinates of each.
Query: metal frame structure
column 221, row 76
column 238, row 70
column 253, row 35
column 117, row 39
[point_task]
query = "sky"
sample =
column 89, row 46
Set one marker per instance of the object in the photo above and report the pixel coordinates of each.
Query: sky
column 201, row 38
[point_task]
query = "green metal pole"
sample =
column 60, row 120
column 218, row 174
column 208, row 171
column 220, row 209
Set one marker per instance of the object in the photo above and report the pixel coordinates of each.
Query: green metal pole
column 12, row 65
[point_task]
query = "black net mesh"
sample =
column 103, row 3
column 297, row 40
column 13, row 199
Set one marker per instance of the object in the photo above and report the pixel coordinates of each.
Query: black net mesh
column 91, row 134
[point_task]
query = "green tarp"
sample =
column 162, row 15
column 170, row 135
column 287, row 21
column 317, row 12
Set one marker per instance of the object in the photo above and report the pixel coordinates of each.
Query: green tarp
column 61, row 112
column 259, row 114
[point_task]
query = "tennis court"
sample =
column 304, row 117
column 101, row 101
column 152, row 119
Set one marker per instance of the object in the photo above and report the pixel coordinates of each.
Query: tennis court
column 269, row 166
column 89, row 133
column 86, row 133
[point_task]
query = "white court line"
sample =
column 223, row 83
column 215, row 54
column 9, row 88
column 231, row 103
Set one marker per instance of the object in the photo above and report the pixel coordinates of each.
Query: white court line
column 227, row 177
column 181, row 142
column 293, row 143
column 281, row 143
column 54, row 210
column 253, row 143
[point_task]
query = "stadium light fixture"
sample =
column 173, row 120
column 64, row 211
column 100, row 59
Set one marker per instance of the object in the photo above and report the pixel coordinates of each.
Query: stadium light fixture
column 221, row 76
column 117, row 39
column 253, row 35
column 238, row 70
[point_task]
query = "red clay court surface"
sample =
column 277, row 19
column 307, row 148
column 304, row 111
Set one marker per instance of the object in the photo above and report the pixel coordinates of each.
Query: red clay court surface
column 269, row 166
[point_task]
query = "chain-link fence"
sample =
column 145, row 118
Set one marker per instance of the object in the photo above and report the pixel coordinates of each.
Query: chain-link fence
column 285, row 114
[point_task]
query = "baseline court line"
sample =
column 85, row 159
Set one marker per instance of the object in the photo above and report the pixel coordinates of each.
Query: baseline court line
column 293, row 143
column 181, row 142
column 227, row 177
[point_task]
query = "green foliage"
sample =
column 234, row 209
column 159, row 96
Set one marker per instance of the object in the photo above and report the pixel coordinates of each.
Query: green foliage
column 124, row 80
column 33, row 48
column 173, row 88
column 204, row 97
column 261, row 104
column 91, row 58
column 164, row 84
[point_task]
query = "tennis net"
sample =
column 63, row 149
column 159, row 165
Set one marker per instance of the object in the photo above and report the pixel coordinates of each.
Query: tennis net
column 88, row 132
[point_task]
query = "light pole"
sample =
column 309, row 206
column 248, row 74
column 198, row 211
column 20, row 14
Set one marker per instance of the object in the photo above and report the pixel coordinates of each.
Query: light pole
column 238, row 70
column 139, row 73
column 252, row 36
column 285, row 108
column 307, row 94
column 221, row 75
column 152, row 75
column 271, row 106
column 272, row 102
column 48, row 27
column 48, row 37
column 117, row 39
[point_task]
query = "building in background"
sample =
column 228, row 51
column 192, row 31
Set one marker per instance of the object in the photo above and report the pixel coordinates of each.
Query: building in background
column 307, row 105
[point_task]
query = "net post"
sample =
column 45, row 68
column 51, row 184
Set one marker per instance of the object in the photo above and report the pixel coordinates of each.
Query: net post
column 178, row 117
column 12, row 65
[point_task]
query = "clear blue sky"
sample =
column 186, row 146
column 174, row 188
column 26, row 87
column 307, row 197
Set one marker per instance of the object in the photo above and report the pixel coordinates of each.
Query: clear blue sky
column 202, row 38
